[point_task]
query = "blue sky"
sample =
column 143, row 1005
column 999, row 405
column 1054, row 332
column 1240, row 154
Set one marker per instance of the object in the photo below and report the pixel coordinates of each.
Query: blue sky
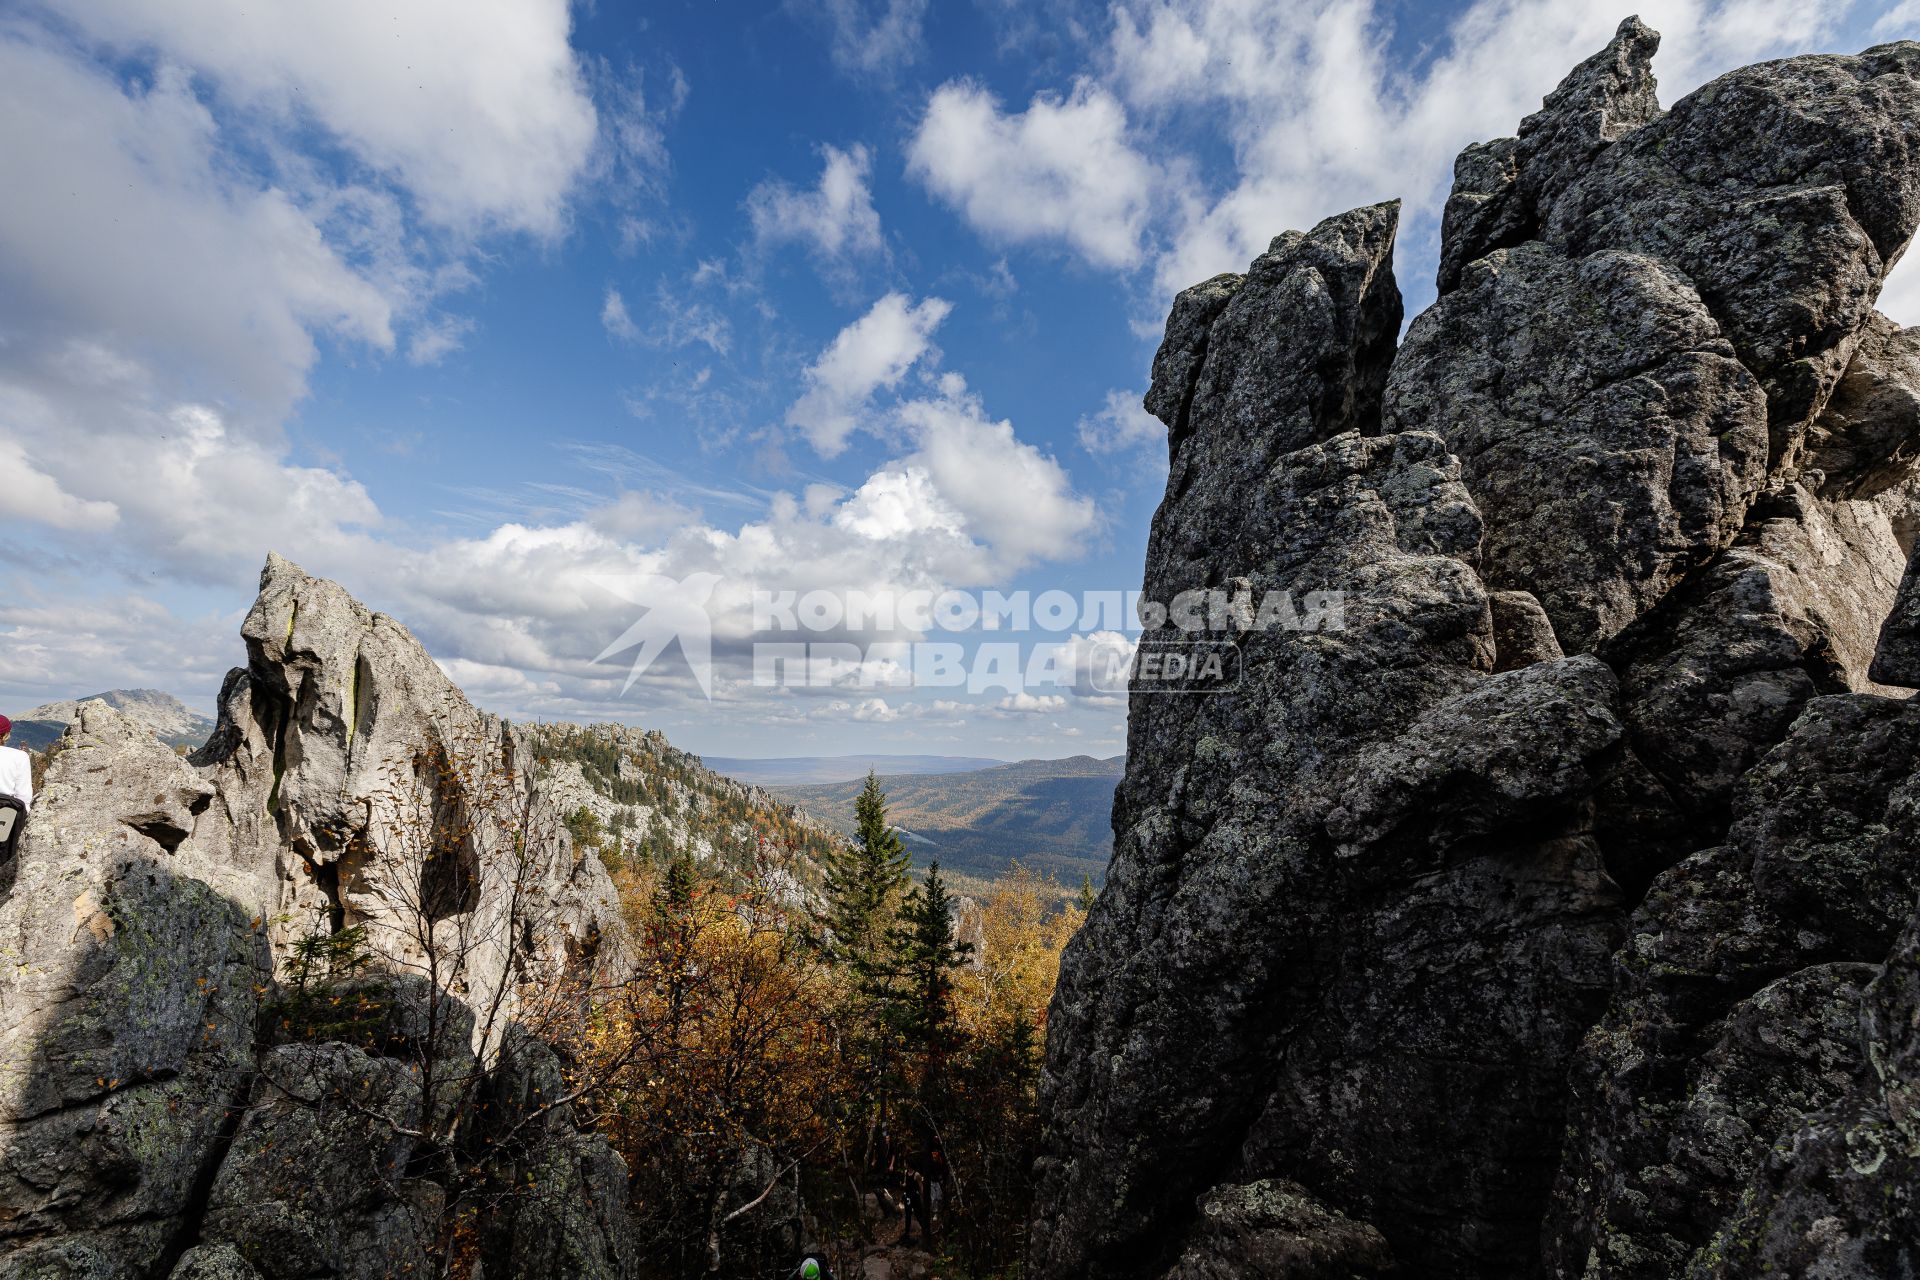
column 476, row 304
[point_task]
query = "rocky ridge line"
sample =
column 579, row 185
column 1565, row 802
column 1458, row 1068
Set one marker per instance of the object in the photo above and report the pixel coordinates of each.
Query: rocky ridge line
column 1556, row 916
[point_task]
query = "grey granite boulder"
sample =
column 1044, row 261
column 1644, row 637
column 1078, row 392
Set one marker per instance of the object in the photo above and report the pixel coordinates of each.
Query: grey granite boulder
column 341, row 747
column 1713, row 678
column 1785, row 192
column 1275, row 1231
column 1868, row 437
column 572, row 1219
column 1502, row 190
column 1291, row 354
column 127, row 998
column 1213, row 1019
column 1608, row 435
column 315, row 1179
column 1736, row 1017
column 1522, row 631
column 1838, row 1195
column 213, row 1262
column 1426, row 945
column 1896, row 656
column 144, row 1110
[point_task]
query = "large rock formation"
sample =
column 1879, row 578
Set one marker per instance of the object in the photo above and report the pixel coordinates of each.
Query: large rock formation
column 169, row 1104
column 1553, row 914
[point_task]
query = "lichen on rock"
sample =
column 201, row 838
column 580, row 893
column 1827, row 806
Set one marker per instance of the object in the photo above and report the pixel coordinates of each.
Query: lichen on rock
column 1427, row 945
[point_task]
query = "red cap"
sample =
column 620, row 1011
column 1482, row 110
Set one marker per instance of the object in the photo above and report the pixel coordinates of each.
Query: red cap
column 6, row 726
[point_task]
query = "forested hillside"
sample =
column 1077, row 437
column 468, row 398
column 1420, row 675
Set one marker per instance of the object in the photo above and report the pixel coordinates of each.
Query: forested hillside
column 630, row 793
column 1051, row 815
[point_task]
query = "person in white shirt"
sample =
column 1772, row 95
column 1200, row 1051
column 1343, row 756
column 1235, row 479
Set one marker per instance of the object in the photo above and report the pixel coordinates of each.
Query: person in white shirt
column 16, row 769
column 16, row 787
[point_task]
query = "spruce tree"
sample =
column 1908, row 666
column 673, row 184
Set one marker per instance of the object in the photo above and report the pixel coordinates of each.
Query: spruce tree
column 673, row 896
column 672, row 933
column 864, row 881
column 924, row 953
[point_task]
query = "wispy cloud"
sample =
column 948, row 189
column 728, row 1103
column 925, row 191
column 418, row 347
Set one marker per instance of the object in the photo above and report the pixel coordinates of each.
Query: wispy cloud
column 615, row 319
column 872, row 39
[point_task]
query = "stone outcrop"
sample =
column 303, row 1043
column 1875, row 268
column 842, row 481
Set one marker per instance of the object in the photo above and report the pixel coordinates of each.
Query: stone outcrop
column 127, row 996
column 1631, row 397
column 167, row 1104
column 1551, row 913
column 340, row 747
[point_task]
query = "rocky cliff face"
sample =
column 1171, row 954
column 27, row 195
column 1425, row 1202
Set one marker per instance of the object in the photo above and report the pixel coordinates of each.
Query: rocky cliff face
column 1555, row 915
column 160, row 1111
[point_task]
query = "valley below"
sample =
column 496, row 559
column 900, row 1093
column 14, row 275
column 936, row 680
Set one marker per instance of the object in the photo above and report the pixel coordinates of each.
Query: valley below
column 1051, row 816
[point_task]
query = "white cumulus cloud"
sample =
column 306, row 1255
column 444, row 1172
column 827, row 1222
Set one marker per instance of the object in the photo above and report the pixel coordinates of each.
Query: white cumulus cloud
column 479, row 108
column 28, row 493
column 1121, row 426
column 836, row 218
column 1062, row 170
column 1004, row 487
column 871, row 354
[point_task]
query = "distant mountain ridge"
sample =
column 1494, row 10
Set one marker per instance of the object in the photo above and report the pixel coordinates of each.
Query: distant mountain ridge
column 1050, row 815
column 172, row 721
column 796, row 771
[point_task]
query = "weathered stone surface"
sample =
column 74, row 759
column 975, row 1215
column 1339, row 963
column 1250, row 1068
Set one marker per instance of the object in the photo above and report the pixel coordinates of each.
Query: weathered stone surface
column 127, row 996
column 1607, row 433
column 574, row 1220
column 342, row 741
column 314, row 1182
column 1816, row 882
column 1522, row 632
column 100, row 1256
column 1274, row 1230
column 1117, row 1094
column 1421, row 917
column 141, row 922
column 1228, row 378
column 1785, row 192
column 213, row 1262
column 1713, row 679
column 1215, row 999
column 1841, row 1196
column 1868, row 437
column 1502, row 189
column 1896, row 657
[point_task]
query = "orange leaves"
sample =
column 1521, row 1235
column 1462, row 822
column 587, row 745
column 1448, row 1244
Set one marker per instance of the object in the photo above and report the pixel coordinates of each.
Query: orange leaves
column 715, row 1041
column 1022, row 933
